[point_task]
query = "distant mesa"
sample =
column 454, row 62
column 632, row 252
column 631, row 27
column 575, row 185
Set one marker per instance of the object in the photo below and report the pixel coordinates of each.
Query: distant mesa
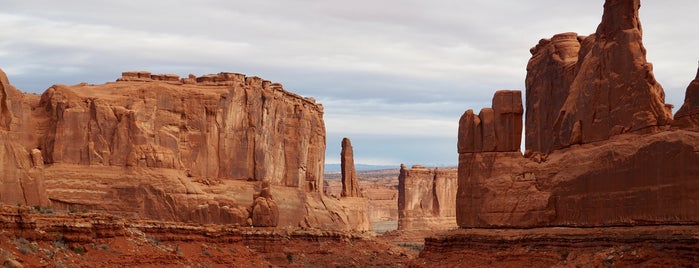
column 426, row 198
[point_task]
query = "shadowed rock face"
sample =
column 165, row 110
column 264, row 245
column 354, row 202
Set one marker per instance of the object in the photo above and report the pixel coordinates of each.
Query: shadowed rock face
column 587, row 89
column 600, row 148
column 350, row 182
column 165, row 148
column 687, row 117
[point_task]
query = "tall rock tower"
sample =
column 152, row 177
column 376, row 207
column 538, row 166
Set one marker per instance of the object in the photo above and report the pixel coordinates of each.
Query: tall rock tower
column 350, row 183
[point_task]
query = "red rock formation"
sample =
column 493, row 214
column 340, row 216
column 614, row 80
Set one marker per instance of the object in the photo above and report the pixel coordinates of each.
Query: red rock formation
column 592, row 166
column 272, row 133
column 426, row 198
column 265, row 212
column 651, row 246
column 21, row 176
column 497, row 129
column 687, row 117
column 165, row 148
column 350, row 182
column 550, row 72
column 36, row 237
column 587, row 97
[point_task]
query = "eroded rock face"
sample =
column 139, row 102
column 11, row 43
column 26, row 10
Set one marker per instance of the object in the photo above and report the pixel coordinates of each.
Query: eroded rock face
column 426, row 198
column 248, row 129
column 497, row 129
column 592, row 89
column 350, row 182
column 160, row 147
column 21, row 179
column 550, row 72
column 628, row 180
column 687, row 117
column 265, row 212
column 600, row 151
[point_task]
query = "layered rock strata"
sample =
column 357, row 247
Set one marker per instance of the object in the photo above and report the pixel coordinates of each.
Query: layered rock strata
column 651, row 246
column 426, row 198
column 600, row 147
column 165, row 148
column 35, row 237
column 350, row 182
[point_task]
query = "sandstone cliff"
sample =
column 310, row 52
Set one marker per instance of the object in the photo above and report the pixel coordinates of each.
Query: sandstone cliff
column 426, row 198
column 600, row 148
column 222, row 126
column 587, row 89
column 165, row 148
column 21, row 170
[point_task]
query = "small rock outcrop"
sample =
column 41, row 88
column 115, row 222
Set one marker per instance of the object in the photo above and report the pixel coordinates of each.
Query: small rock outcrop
column 426, row 198
column 687, row 117
column 350, row 182
column 497, row 129
column 265, row 212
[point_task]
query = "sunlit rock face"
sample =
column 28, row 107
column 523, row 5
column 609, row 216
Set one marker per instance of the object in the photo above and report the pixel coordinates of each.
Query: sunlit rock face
column 161, row 147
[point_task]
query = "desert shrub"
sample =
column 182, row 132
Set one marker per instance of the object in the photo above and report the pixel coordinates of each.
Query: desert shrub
column 79, row 250
column 104, row 247
column 21, row 241
column 154, row 241
column 24, row 249
column 412, row 246
column 564, row 255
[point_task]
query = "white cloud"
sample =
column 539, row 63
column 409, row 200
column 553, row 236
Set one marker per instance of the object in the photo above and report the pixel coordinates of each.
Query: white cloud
column 404, row 69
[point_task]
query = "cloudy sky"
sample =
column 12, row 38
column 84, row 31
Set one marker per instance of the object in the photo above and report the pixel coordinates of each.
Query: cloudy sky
column 394, row 76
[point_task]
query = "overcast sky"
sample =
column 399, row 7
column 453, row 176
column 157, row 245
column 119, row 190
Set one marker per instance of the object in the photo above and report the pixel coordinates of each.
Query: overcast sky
column 394, row 76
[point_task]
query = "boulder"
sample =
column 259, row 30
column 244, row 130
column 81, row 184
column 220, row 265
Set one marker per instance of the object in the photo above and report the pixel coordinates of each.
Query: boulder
column 265, row 212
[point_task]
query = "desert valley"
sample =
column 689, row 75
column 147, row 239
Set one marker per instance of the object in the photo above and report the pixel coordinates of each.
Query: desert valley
column 228, row 170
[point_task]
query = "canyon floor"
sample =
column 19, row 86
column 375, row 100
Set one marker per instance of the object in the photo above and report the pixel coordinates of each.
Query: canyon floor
column 39, row 237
